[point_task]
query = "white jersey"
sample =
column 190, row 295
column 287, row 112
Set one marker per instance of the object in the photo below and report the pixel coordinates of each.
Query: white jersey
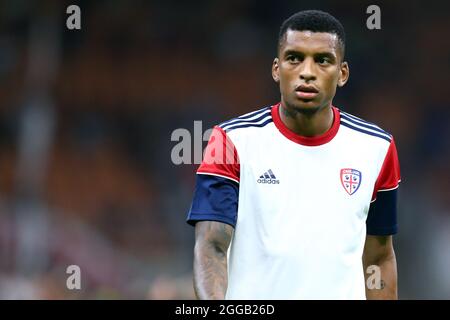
column 301, row 206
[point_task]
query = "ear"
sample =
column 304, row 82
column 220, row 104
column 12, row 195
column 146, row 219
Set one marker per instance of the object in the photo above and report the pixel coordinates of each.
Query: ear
column 344, row 73
column 275, row 70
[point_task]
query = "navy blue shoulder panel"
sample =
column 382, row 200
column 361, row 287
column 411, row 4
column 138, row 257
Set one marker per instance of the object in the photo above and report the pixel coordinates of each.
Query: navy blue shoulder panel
column 215, row 199
column 382, row 217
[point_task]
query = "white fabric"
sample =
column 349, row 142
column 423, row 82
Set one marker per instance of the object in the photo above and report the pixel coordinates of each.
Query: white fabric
column 302, row 238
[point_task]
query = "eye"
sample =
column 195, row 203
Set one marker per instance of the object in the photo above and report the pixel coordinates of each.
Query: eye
column 323, row 60
column 293, row 58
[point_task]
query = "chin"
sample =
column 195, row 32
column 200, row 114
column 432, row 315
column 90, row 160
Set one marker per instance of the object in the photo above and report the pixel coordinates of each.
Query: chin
column 302, row 106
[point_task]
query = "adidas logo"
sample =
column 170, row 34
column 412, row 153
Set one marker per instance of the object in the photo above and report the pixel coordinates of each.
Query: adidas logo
column 268, row 177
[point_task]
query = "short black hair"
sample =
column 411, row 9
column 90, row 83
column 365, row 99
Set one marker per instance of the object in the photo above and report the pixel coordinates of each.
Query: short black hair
column 314, row 21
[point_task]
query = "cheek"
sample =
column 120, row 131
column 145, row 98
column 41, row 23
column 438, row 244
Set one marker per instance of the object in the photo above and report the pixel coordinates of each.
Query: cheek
column 286, row 78
column 284, row 81
column 331, row 82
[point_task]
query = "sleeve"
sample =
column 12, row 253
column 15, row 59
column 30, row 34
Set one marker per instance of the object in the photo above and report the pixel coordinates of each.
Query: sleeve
column 217, row 183
column 382, row 217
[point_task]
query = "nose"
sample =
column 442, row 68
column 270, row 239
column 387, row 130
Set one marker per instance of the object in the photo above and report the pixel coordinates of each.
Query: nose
column 307, row 72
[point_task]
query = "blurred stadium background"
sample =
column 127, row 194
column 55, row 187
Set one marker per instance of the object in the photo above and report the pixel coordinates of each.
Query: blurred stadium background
column 86, row 117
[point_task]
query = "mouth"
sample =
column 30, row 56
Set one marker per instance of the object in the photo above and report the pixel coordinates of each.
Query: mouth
column 306, row 92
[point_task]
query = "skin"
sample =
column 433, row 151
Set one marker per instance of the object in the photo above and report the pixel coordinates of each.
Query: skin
column 379, row 251
column 310, row 58
column 212, row 240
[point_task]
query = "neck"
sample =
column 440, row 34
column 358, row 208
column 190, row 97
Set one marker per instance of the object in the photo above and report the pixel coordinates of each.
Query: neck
column 307, row 123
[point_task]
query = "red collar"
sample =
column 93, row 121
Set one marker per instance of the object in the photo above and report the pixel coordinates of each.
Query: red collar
column 307, row 141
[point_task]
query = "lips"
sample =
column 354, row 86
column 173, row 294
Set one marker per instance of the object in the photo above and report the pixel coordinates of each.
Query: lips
column 306, row 92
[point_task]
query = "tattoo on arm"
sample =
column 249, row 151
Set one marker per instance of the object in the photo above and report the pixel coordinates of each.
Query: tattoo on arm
column 380, row 268
column 210, row 259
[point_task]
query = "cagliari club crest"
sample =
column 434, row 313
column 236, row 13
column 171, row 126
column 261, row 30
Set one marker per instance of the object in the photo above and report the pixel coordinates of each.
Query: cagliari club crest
column 351, row 180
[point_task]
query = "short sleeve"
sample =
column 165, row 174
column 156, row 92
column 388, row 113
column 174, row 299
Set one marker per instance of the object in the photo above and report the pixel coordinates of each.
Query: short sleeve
column 382, row 217
column 217, row 183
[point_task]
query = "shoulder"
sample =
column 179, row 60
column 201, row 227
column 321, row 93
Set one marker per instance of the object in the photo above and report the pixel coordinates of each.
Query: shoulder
column 362, row 127
column 255, row 119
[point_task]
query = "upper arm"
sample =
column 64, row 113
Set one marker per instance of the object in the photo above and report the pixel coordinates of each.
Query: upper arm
column 216, row 194
column 377, row 248
column 382, row 216
column 213, row 234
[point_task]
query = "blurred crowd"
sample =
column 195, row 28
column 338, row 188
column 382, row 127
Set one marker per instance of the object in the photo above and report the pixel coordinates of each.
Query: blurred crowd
column 86, row 118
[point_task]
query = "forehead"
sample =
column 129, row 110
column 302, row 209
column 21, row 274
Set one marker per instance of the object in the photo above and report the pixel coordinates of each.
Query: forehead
column 308, row 41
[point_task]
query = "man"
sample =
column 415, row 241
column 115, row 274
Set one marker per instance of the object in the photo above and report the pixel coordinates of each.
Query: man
column 297, row 200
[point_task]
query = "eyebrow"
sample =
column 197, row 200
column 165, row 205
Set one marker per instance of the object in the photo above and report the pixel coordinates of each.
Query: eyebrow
column 317, row 54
